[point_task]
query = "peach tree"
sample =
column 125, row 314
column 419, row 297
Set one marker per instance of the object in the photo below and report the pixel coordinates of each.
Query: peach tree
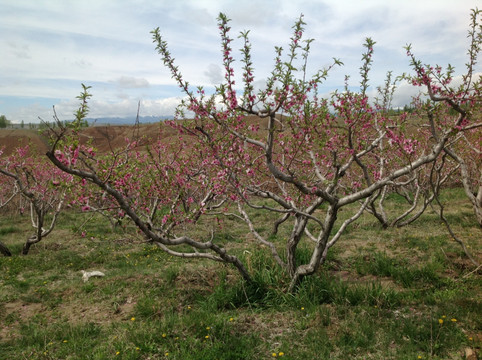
column 283, row 150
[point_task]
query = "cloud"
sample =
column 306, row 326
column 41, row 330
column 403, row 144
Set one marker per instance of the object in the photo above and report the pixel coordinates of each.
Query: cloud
column 123, row 108
column 82, row 63
column 130, row 82
column 21, row 51
column 214, row 74
column 107, row 44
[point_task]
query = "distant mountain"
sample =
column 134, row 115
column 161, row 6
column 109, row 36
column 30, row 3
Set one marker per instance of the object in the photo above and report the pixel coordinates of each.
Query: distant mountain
column 127, row 120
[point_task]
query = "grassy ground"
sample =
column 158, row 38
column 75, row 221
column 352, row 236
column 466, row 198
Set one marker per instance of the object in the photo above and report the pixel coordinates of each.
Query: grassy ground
column 383, row 294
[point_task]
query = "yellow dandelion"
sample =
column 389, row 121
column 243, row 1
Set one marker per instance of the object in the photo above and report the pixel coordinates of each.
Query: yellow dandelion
column 281, row 353
column 133, row 318
column 444, row 316
column 137, row 348
column 208, row 328
column 117, row 353
column 302, row 308
column 453, row 320
column 65, row 341
column 231, row 319
column 206, row 337
column 440, row 321
column 166, row 354
column 419, row 357
column 274, row 355
column 164, row 335
column 471, row 338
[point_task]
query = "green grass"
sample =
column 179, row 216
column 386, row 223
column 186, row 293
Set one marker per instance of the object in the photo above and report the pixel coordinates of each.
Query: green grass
column 382, row 294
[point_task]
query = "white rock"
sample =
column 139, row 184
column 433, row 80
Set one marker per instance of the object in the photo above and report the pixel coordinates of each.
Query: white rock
column 86, row 275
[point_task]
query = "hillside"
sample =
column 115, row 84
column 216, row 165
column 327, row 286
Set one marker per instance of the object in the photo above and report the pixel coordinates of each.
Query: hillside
column 13, row 138
column 104, row 138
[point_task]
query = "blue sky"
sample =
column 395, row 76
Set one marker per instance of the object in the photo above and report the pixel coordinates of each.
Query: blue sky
column 50, row 47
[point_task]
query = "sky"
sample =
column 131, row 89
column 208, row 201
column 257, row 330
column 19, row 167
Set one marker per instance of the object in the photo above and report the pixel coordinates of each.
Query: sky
column 50, row 47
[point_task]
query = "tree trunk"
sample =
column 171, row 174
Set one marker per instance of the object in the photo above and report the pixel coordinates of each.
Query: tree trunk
column 30, row 241
column 26, row 247
column 4, row 250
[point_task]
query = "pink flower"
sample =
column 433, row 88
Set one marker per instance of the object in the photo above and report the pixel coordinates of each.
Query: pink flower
column 250, row 172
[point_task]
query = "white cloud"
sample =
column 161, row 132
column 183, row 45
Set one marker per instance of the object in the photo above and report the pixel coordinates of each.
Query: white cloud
column 214, row 74
column 107, row 44
column 123, row 108
column 132, row 82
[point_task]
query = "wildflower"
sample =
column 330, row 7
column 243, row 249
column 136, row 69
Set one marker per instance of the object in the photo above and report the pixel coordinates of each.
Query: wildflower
column 453, row 320
column 164, row 335
column 166, row 354
column 281, row 353
column 471, row 338
column 117, row 353
column 444, row 316
column 419, row 357
column 138, row 348
column 302, row 308
column 133, row 318
column 206, row 337
column 440, row 321
column 208, row 328
column 274, row 355
column 231, row 319
column 65, row 341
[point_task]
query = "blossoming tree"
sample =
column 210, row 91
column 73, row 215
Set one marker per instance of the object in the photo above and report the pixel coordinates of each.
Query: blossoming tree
column 41, row 184
column 305, row 159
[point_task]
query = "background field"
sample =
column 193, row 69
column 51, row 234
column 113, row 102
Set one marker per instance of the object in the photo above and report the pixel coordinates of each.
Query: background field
column 404, row 293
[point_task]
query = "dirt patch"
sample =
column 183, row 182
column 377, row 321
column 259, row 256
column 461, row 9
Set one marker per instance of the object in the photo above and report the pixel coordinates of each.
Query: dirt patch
column 17, row 311
column 104, row 138
column 96, row 313
column 12, row 139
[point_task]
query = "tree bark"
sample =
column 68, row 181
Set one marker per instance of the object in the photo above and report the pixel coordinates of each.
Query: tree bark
column 4, row 250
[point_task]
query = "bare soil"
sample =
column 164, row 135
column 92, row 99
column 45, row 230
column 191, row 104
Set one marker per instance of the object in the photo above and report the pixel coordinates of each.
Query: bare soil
column 104, row 138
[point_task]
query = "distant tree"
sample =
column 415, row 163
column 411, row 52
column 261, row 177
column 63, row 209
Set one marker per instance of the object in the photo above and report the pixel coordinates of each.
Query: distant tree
column 22, row 124
column 3, row 122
